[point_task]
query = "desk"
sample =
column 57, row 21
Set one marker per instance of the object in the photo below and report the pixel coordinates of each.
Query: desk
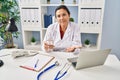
column 11, row 70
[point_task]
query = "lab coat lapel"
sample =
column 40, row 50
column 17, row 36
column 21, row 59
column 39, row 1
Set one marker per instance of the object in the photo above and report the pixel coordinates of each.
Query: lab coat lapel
column 58, row 32
column 67, row 32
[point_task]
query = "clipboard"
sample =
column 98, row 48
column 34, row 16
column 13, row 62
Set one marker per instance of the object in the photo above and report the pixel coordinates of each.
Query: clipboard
column 43, row 61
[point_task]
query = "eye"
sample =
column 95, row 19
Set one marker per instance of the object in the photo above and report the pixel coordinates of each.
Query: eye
column 58, row 16
column 64, row 14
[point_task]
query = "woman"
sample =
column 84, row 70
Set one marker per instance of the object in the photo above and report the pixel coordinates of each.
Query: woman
column 64, row 34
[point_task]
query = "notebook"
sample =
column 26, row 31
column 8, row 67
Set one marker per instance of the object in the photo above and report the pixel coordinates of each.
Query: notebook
column 89, row 59
column 38, row 62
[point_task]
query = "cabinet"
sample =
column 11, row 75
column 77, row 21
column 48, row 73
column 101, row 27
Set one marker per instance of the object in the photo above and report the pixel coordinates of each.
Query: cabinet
column 30, row 22
column 87, row 13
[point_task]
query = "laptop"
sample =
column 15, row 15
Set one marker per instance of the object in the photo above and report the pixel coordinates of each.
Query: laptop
column 89, row 59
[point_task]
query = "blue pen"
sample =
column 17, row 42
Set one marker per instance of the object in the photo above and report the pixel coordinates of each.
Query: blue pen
column 36, row 63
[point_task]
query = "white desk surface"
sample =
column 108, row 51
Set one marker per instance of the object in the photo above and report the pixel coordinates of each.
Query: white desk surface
column 11, row 70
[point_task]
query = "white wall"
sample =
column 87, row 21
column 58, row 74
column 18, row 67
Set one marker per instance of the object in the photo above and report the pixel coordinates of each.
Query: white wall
column 111, row 27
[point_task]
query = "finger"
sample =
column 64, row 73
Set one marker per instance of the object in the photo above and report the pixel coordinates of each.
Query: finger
column 45, row 43
column 70, row 49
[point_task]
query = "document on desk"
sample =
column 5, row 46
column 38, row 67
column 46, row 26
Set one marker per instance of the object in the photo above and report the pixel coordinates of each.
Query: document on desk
column 37, row 63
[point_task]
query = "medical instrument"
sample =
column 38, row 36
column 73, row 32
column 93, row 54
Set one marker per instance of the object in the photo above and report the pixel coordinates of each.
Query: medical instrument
column 48, row 68
column 62, row 72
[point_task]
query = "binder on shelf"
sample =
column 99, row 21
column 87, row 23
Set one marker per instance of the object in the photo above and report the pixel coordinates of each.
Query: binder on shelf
column 82, row 18
column 92, row 18
column 37, row 63
column 98, row 18
column 32, row 16
column 24, row 16
column 87, row 17
column 36, row 15
column 47, row 20
column 28, row 16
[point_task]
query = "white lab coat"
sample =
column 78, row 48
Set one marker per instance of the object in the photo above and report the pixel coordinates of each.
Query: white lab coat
column 72, row 36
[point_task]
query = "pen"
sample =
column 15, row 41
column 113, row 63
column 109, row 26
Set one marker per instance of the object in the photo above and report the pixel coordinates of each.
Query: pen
column 27, row 68
column 36, row 63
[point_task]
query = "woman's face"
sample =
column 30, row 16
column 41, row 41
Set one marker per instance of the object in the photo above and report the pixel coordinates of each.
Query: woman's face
column 62, row 17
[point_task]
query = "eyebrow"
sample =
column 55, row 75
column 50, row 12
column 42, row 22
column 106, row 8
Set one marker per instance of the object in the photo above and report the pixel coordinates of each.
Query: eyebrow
column 61, row 14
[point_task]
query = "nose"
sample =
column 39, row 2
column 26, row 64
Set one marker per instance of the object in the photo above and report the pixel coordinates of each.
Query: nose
column 61, row 17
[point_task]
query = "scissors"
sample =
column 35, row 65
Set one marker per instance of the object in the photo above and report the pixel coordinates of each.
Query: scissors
column 62, row 72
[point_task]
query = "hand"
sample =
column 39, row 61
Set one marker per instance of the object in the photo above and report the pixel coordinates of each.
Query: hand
column 70, row 49
column 48, row 46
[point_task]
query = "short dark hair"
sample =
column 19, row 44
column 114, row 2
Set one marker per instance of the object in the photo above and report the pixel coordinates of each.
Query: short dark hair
column 62, row 7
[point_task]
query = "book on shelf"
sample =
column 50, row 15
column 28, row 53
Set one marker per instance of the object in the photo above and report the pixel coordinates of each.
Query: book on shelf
column 47, row 20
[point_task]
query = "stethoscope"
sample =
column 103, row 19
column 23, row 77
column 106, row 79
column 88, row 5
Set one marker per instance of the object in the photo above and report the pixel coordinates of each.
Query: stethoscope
column 60, row 73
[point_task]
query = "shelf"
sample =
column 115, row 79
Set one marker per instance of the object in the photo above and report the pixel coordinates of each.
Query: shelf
column 84, row 13
column 96, row 5
column 37, row 46
column 59, row 4
column 28, row 2
column 44, row 28
column 33, row 47
column 83, row 30
column 93, row 48
column 31, row 29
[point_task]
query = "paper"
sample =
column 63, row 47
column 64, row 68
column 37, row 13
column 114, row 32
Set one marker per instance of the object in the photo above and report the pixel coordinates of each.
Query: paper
column 43, row 61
